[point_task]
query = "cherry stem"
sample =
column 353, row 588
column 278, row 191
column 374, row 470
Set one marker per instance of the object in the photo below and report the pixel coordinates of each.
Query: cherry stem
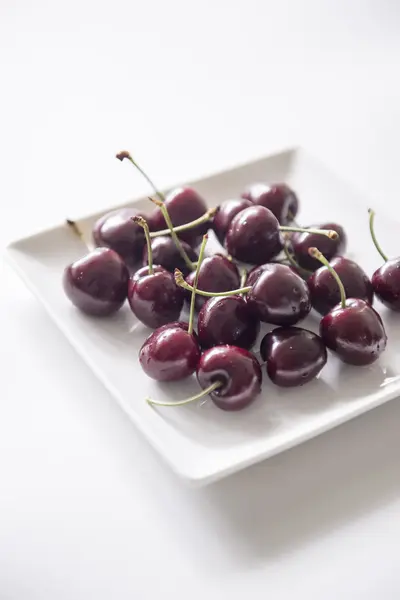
column 125, row 154
column 330, row 233
column 195, row 282
column 78, row 232
column 171, row 230
column 179, row 280
column 198, row 396
column 315, row 253
column 293, row 261
column 143, row 223
column 371, row 228
column 199, row 221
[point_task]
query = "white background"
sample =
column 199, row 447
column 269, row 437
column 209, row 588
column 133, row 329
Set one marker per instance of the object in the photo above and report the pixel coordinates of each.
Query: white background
column 86, row 508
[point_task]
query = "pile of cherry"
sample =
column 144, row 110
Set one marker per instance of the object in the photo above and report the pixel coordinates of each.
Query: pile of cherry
column 292, row 270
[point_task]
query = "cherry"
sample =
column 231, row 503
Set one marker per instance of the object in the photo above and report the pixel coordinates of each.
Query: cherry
column 254, row 235
column 231, row 376
column 172, row 351
column 386, row 279
column 324, row 290
column 153, row 296
column 227, row 320
column 279, row 296
column 352, row 329
column 225, row 213
column 118, row 231
column 279, row 198
column 301, row 242
column 217, row 274
column 97, row 284
column 183, row 205
column 294, row 356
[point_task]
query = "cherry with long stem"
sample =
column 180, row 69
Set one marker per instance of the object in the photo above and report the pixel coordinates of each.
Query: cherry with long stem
column 372, row 230
column 190, row 265
column 315, row 253
column 125, row 154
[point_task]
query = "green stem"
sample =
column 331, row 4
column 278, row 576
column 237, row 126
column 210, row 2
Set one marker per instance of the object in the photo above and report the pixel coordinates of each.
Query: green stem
column 143, row 223
column 177, row 241
column 195, row 282
column 315, row 253
column 330, row 233
column 127, row 155
column 371, row 228
column 198, row 396
column 293, row 261
column 179, row 280
column 203, row 219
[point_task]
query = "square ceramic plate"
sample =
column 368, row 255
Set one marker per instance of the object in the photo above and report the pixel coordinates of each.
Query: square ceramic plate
column 200, row 442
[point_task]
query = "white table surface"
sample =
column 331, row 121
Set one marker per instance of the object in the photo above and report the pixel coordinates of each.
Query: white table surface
column 86, row 508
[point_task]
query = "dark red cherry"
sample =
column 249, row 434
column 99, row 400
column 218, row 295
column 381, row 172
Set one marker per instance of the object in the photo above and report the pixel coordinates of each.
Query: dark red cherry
column 324, row 290
column 170, row 353
column 227, row 320
column 237, row 370
column 217, row 274
column 279, row 198
column 184, row 205
column 386, row 283
column 302, row 242
column 97, row 283
column 253, row 236
column 226, row 211
column 255, row 272
column 166, row 254
column 155, row 299
column 279, row 296
column 354, row 332
column 293, row 355
column 116, row 230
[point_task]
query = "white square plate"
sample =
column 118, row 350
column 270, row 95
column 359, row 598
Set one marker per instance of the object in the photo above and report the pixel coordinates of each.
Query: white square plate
column 200, row 442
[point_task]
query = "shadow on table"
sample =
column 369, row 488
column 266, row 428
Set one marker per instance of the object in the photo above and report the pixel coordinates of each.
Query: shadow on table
column 307, row 492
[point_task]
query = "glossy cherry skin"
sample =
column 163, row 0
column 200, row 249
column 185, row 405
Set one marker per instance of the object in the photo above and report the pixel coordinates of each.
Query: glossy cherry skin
column 217, row 274
column 294, row 356
column 301, row 242
column 166, row 254
column 155, row 299
column 170, row 353
column 324, row 291
column 239, row 372
column 255, row 272
column 143, row 271
column 253, row 236
column 355, row 333
column 97, row 284
column 279, row 198
column 226, row 211
column 227, row 320
column 279, row 296
column 183, row 205
column 116, row 230
column 386, row 284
